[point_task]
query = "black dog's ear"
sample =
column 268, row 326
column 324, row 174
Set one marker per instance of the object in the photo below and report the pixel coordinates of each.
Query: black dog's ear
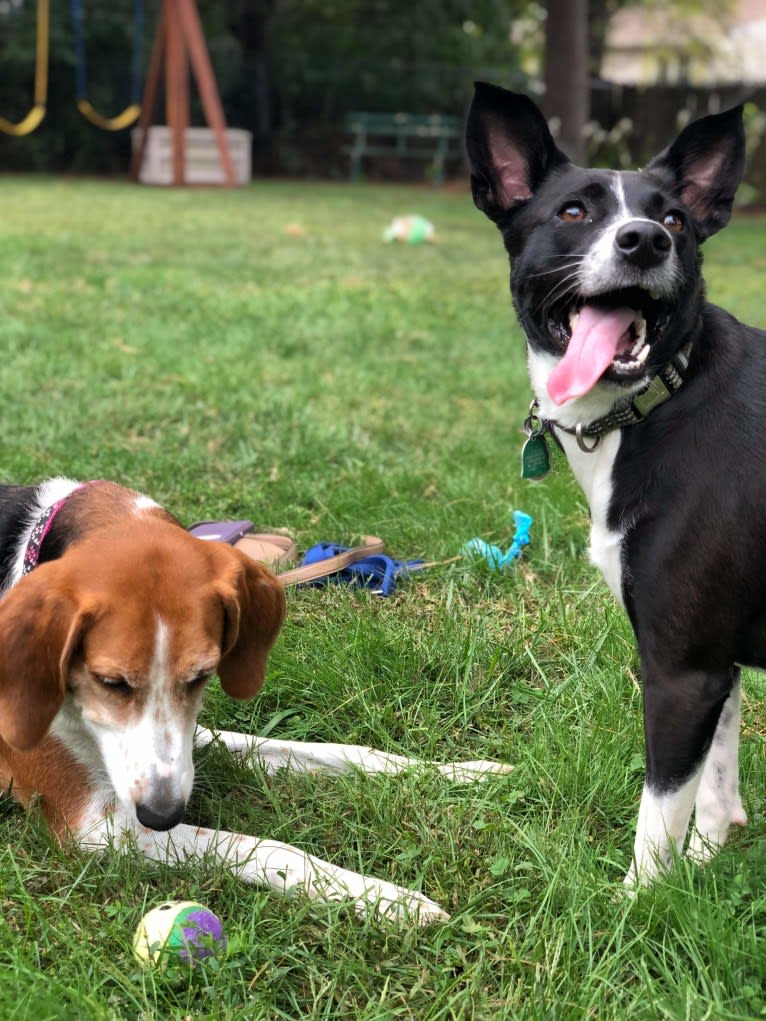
column 510, row 149
column 705, row 164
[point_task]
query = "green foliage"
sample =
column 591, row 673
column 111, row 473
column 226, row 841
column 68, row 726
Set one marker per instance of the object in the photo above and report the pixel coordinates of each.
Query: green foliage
column 387, row 55
column 188, row 344
column 298, row 67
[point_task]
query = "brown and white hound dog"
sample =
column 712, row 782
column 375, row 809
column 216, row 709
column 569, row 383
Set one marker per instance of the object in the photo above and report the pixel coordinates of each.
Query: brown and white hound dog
column 112, row 620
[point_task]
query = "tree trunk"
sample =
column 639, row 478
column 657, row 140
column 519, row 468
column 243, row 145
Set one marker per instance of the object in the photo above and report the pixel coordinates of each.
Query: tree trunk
column 250, row 25
column 566, row 72
column 599, row 13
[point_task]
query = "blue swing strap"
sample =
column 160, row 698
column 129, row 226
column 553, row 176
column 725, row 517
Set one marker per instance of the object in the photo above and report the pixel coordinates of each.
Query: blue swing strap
column 131, row 112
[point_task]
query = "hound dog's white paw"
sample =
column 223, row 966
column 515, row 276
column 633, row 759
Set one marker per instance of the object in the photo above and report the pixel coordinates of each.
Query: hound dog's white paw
column 309, row 756
column 284, row 867
column 409, row 906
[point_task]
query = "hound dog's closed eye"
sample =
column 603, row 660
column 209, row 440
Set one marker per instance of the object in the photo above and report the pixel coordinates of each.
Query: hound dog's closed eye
column 112, row 620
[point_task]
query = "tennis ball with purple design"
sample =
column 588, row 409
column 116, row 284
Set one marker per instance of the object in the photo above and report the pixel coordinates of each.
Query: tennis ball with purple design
column 180, row 929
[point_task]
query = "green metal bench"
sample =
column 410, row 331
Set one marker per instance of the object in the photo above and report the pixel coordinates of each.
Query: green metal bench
column 431, row 137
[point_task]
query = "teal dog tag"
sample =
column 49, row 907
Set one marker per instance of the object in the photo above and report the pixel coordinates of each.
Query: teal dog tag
column 535, row 459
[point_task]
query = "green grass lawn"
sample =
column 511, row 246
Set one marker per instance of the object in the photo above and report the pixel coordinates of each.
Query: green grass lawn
column 192, row 346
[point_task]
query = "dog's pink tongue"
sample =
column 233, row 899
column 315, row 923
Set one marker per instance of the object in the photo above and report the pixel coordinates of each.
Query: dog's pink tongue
column 590, row 351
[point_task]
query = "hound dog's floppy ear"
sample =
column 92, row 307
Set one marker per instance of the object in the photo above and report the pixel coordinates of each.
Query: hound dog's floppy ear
column 510, row 149
column 254, row 608
column 41, row 628
column 704, row 167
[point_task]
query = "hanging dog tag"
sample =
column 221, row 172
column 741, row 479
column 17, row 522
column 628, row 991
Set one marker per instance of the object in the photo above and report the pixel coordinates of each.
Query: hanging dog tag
column 535, row 459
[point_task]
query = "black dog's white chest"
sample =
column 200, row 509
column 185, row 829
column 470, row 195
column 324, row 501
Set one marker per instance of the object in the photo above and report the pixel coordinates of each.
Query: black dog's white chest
column 595, row 474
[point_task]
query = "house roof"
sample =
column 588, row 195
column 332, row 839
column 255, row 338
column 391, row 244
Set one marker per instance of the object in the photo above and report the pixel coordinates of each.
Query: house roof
column 653, row 41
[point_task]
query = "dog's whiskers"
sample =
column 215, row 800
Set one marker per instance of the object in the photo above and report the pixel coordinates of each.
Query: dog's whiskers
column 576, row 261
column 560, row 290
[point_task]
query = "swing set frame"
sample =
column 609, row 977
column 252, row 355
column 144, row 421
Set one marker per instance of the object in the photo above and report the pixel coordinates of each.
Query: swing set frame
column 179, row 45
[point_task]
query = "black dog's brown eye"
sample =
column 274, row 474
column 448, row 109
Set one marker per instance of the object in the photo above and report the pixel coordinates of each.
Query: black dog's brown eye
column 673, row 221
column 572, row 212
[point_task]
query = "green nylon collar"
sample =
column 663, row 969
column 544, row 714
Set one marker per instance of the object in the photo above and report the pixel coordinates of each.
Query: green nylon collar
column 628, row 410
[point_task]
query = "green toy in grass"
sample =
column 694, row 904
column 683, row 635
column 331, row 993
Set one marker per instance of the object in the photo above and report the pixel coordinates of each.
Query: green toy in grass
column 413, row 229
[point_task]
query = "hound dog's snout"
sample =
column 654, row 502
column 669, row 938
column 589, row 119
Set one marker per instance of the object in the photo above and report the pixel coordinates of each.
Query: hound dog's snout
column 162, row 811
column 643, row 243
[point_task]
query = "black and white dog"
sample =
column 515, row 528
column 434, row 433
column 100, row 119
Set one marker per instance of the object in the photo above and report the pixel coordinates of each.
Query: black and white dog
column 658, row 399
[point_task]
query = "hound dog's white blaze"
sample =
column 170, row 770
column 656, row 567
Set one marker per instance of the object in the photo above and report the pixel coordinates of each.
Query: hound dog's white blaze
column 157, row 746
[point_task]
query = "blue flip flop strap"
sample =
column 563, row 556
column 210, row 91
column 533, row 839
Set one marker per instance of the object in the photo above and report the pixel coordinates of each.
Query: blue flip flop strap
column 378, row 571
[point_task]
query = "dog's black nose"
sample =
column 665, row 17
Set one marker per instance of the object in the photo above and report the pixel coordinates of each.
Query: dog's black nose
column 643, row 243
column 160, row 816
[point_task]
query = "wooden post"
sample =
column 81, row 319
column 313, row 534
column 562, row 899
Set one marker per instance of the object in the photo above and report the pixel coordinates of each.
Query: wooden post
column 566, row 73
column 176, row 92
column 203, row 72
column 150, row 93
column 180, row 41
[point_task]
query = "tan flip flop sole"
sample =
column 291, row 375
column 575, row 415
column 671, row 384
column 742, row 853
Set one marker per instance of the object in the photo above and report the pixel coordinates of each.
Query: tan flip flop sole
column 279, row 551
column 275, row 551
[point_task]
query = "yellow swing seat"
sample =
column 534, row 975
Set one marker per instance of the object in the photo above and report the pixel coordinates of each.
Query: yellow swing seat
column 24, row 127
column 34, row 118
column 123, row 120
